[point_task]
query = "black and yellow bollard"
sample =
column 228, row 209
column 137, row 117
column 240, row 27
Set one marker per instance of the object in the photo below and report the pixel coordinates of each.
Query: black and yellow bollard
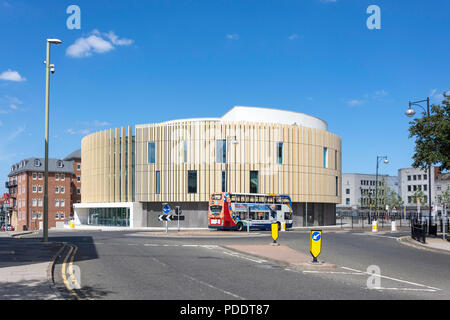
column 274, row 234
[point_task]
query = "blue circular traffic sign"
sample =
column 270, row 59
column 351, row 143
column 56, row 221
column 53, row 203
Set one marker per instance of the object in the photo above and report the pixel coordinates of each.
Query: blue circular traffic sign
column 166, row 209
column 316, row 236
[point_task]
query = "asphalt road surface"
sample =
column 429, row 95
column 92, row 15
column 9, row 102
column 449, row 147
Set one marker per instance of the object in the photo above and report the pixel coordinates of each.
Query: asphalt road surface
column 137, row 265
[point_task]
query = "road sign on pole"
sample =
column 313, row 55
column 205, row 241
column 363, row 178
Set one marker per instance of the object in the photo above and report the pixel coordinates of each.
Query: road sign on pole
column 166, row 208
column 315, row 244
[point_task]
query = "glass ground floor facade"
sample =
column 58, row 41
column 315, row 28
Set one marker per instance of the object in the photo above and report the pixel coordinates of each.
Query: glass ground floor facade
column 115, row 217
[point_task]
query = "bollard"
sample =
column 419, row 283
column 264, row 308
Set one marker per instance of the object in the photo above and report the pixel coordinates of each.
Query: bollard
column 374, row 226
column 393, row 226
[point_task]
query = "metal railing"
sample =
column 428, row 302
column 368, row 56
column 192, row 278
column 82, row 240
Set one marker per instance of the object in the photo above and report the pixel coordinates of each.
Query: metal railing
column 364, row 218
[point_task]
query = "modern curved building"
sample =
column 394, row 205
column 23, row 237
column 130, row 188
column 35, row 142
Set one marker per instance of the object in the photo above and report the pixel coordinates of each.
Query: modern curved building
column 127, row 176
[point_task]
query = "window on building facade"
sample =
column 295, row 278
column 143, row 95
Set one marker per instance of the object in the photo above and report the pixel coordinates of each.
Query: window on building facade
column 56, row 189
column 224, row 181
column 192, row 181
column 424, row 177
column 347, row 191
column 337, row 187
column 280, row 152
column 34, row 189
column 78, row 191
column 414, row 177
column 78, row 166
column 347, row 201
column 63, row 203
column 40, row 176
column 57, row 176
column 56, row 203
column 152, row 152
column 325, row 157
column 40, row 203
column 78, row 179
column 185, row 156
column 409, row 188
column 34, row 176
column 158, row 182
column 62, row 176
column 419, row 177
column 40, row 189
column 221, row 151
column 63, row 190
column 254, row 183
column 34, row 202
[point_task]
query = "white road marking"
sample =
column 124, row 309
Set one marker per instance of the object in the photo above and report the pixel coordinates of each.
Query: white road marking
column 374, row 235
column 403, row 289
column 393, row 279
column 334, row 272
column 213, row 287
column 237, row 255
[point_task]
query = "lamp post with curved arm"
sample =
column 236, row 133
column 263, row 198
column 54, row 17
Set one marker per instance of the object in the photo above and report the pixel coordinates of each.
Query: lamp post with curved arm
column 410, row 113
column 386, row 161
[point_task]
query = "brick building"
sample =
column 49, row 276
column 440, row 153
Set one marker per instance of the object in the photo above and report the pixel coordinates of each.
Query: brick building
column 26, row 188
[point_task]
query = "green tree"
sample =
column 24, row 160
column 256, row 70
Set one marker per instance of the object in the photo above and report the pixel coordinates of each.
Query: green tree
column 432, row 136
column 393, row 199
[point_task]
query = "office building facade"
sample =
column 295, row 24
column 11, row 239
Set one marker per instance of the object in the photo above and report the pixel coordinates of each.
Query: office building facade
column 129, row 174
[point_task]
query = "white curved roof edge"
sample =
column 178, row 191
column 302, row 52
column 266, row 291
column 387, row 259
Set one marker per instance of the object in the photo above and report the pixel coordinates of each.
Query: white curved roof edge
column 272, row 115
column 259, row 114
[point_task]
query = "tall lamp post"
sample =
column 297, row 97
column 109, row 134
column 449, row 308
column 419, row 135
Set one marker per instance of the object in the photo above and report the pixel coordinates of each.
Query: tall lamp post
column 410, row 113
column 48, row 68
column 386, row 161
column 233, row 141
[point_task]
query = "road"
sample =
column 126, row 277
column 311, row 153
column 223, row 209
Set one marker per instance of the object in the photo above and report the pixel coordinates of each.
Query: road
column 138, row 265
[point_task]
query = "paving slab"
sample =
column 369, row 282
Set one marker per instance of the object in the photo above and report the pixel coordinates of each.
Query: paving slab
column 25, row 269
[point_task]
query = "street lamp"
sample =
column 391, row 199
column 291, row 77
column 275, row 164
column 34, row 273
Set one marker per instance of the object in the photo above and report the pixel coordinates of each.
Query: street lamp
column 48, row 68
column 386, row 161
column 410, row 113
column 228, row 141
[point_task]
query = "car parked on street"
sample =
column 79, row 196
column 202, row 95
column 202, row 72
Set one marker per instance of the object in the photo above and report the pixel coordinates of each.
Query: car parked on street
column 7, row 228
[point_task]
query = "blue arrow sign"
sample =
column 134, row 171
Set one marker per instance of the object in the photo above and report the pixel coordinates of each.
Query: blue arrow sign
column 316, row 236
column 166, row 209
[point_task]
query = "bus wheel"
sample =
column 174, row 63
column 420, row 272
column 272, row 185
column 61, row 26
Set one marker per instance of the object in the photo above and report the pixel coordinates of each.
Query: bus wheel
column 239, row 226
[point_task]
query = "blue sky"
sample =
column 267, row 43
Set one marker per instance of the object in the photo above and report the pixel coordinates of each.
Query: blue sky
column 142, row 61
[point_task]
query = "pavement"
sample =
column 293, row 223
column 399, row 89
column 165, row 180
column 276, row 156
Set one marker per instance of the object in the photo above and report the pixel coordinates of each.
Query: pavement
column 431, row 243
column 26, row 268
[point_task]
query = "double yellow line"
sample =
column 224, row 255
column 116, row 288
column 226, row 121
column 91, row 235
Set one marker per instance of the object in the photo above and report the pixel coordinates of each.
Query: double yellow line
column 70, row 287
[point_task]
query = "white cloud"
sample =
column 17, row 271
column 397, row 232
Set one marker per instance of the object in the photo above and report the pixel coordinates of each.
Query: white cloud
column 15, row 133
column 95, row 43
column 13, row 106
column 81, row 131
column 436, row 97
column 355, row 102
column 232, row 36
column 293, row 36
column 101, row 123
column 118, row 42
column 10, row 75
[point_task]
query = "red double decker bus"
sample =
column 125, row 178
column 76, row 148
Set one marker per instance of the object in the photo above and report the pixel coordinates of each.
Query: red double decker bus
column 237, row 211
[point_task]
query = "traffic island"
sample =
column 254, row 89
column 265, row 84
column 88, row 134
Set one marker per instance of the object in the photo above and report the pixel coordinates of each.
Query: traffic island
column 281, row 255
